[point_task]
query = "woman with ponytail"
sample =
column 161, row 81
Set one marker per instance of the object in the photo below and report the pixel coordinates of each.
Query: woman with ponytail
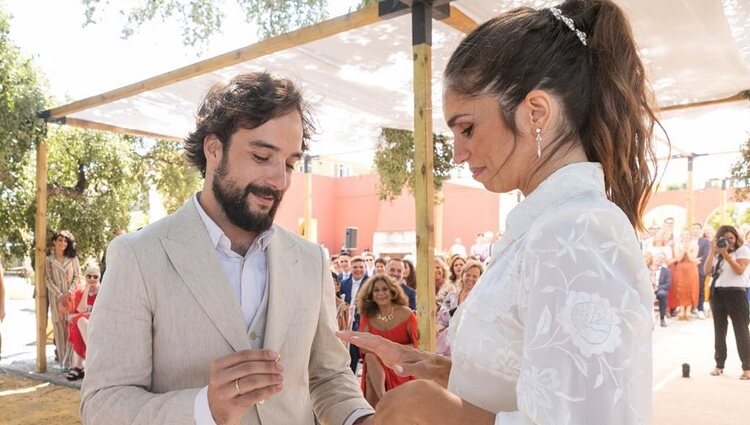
column 553, row 102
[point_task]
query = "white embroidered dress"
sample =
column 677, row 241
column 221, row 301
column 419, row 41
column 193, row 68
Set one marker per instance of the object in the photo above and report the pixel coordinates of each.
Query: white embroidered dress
column 558, row 329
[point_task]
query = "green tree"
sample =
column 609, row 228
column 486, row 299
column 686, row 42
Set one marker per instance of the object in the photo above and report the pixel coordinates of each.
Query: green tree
column 394, row 161
column 200, row 19
column 732, row 216
column 168, row 171
column 94, row 182
column 21, row 96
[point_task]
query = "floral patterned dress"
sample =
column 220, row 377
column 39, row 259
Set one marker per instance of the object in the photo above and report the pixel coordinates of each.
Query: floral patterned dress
column 558, row 329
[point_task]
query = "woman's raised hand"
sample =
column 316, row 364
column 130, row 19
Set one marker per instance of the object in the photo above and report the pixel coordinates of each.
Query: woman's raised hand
column 403, row 359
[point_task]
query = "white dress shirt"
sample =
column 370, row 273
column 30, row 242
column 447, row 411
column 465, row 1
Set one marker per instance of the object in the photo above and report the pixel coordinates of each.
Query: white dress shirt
column 248, row 276
column 558, row 329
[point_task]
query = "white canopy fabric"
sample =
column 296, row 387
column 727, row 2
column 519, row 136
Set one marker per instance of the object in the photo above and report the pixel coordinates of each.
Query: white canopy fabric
column 361, row 80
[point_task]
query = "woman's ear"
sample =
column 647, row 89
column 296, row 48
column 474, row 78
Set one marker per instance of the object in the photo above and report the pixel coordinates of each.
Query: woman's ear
column 537, row 110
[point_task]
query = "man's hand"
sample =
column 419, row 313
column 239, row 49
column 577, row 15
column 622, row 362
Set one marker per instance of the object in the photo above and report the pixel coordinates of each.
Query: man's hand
column 240, row 380
column 403, row 359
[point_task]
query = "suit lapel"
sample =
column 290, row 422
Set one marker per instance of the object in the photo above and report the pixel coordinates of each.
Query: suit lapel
column 192, row 255
column 283, row 267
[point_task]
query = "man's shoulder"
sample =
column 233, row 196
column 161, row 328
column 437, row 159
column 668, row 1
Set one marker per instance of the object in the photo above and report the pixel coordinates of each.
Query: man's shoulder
column 160, row 228
column 290, row 238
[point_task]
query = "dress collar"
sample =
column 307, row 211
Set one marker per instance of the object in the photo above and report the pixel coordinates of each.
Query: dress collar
column 565, row 183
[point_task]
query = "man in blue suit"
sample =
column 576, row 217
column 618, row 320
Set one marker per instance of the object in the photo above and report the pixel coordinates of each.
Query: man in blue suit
column 349, row 289
column 395, row 269
column 662, row 280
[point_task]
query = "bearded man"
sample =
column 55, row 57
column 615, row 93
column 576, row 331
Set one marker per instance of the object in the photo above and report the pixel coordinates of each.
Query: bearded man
column 214, row 314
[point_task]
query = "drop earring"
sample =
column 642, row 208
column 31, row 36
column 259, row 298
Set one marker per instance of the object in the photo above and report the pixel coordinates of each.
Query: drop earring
column 538, row 142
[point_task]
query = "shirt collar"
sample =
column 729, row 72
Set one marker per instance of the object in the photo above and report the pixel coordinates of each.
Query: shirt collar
column 567, row 182
column 219, row 240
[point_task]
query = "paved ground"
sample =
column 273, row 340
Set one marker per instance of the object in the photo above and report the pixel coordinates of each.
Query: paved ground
column 701, row 399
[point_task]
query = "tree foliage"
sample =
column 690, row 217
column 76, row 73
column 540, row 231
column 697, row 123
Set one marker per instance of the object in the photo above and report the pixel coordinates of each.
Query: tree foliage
column 21, row 96
column 94, row 182
column 394, row 162
column 741, row 172
column 173, row 178
column 200, row 19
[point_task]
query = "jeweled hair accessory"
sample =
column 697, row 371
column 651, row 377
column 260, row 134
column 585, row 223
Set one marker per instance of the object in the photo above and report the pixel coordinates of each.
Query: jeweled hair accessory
column 557, row 13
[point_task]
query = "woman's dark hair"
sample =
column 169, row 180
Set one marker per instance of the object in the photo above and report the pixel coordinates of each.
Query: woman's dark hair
column 454, row 277
column 411, row 280
column 381, row 261
column 606, row 101
column 247, row 101
column 365, row 303
column 335, row 278
column 71, row 251
column 723, row 230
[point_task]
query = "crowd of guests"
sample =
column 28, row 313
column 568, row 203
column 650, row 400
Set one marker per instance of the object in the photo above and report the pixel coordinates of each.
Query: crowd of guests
column 689, row 267
column 378, row 295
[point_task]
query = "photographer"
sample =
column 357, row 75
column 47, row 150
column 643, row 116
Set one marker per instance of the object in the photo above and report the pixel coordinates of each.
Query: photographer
column 727, row 266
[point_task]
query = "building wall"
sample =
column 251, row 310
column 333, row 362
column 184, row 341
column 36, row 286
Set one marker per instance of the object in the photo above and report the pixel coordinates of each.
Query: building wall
column 344, row 202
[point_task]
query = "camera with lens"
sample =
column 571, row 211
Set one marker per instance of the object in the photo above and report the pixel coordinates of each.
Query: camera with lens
column 722, row 242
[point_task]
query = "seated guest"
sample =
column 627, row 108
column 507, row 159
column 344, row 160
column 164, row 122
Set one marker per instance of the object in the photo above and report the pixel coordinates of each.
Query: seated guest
column 661, row 279
column 79, row 319
column 383, row 308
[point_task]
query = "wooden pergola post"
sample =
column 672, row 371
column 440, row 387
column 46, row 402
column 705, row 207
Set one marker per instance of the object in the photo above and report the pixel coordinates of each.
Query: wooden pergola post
column 690, row 194
column 40, row 236
column 424, row 190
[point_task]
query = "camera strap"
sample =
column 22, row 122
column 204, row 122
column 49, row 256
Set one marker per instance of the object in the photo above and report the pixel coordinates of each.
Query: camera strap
column 716, row 272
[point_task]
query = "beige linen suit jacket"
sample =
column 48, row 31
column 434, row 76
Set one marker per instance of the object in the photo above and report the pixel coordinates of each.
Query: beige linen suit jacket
column 165, row 311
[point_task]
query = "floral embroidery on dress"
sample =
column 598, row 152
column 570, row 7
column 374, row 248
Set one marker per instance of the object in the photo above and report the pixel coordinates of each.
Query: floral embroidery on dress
column 591, row 322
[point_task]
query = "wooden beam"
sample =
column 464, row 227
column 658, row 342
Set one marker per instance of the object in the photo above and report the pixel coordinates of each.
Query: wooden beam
column 40, row 238
column 460, row 21
column 424, row 189
column 743, row 95
column 363, row 17
column 93, row 125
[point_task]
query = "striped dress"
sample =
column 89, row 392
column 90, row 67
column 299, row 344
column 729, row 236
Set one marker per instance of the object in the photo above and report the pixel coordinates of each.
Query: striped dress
column 60, row 277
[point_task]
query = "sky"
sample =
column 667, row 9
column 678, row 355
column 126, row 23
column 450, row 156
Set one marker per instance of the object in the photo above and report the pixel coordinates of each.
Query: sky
column 83, row 61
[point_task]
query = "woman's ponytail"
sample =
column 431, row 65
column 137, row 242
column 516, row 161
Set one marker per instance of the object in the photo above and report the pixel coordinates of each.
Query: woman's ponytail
column 619, row 131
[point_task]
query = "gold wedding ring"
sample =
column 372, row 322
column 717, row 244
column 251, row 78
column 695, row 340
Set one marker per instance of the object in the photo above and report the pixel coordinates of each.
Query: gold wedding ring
column 278, row 357
column 237, row 387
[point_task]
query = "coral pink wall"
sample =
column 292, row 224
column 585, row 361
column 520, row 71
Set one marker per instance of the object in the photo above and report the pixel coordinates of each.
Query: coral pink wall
column 339, row 203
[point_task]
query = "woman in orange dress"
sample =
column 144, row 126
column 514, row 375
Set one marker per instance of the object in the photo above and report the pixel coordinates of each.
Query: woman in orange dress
column 384, row 311
column 685, row 276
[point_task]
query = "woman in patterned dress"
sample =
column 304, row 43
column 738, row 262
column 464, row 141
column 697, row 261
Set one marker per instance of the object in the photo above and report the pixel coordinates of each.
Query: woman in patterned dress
column 62, row 275
column 552, row 102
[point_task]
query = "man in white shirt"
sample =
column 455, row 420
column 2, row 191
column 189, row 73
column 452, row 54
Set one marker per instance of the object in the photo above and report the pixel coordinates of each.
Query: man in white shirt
column 214, row 314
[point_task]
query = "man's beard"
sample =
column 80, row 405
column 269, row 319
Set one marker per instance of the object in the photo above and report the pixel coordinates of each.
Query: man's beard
column 234, row 202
